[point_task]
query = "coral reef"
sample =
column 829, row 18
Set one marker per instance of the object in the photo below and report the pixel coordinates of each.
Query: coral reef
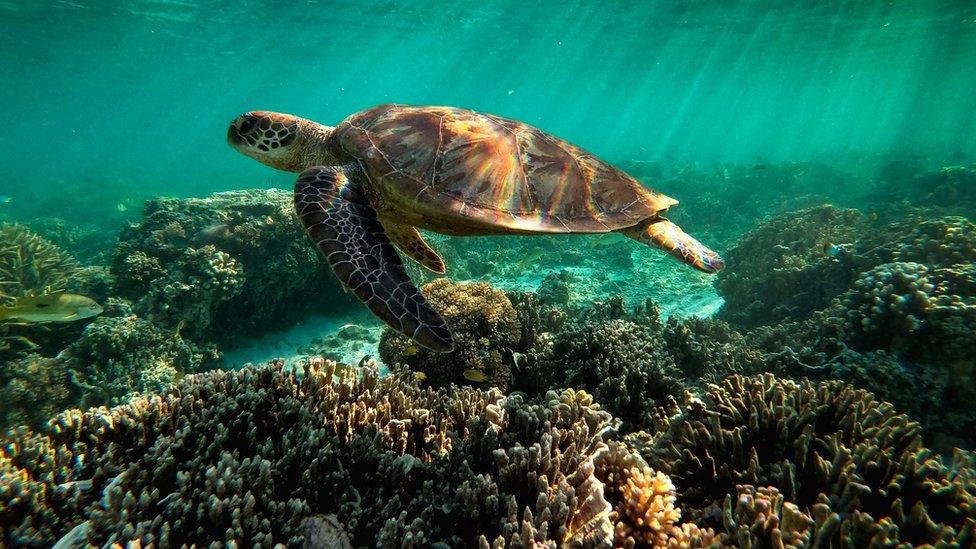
column 225, row 266
column 32, row 390
column 486, row 330
column 118, row 357
column 245, row 457
column 624, row 364
column 896, row 313
column 911, row 309
column 781, row 271
column 854, row 465
column 30, row 265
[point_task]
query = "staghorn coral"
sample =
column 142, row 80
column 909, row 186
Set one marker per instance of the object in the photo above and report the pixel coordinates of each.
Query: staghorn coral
column 30, row 265
column 226, row 266
column 244, row 457
column 853, row 464
column 486, row 328
column 779, row 271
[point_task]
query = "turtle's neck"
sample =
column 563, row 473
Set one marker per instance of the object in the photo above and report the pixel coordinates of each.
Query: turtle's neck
column 318, row 148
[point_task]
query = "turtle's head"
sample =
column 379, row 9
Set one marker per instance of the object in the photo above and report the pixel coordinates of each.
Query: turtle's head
column 280, row 140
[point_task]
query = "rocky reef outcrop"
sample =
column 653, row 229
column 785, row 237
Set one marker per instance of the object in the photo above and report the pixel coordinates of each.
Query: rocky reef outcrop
column 224, row 266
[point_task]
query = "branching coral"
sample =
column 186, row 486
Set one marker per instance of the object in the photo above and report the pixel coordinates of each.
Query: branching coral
column 624, row 364
column 244, row 457
column 32, row 389
column 912, row 309
column 643, row 500
column 117, row 357
column 486, row 328
column 30, row 265
column 853, row 464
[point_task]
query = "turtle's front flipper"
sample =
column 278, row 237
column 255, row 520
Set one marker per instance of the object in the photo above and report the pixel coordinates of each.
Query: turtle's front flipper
column 661, row 233
column 339, row 219
column 410, row 242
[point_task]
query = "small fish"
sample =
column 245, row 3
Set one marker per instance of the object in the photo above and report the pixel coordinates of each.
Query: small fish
column 518, row 359
column 834, row 250
column 476, row 375
column 212, row 234
column 410, row 350
column 56, row 307
column 419, row 376
column 4, row 199
column 120, row 207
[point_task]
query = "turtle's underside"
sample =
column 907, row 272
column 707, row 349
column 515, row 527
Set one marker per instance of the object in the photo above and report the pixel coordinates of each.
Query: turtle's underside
column 370, row 182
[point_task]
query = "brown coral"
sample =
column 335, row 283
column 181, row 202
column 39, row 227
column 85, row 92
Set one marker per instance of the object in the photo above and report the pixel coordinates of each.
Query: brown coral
column 244, row 457
column 828, row 448
column 30, row 265
column 485, row 326
column 644, row 512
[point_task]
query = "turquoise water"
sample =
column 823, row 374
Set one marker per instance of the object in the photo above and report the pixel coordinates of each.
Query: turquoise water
column 151, row 276
column 142, row 91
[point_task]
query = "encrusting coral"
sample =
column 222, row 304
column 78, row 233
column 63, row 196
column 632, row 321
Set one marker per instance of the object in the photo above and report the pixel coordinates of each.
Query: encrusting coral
column 486, row 328
column 851, row 463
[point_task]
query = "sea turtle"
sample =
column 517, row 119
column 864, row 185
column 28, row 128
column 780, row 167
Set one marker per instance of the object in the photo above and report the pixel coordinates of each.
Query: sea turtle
column 370, row 182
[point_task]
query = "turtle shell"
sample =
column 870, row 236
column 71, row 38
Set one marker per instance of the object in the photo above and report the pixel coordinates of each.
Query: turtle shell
column 491, row 172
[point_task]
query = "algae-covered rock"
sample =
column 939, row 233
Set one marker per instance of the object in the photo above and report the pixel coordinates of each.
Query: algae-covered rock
column 225, row 266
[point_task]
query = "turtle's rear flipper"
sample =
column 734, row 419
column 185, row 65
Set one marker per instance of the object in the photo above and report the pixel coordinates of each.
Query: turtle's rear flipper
column 663, row 234
column 343, row 225
column 410, row 242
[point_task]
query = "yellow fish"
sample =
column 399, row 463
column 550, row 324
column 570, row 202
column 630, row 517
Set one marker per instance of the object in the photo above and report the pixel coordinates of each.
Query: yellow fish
column 410, row 350
column 475, row 375
column 56, row 307
column 420, row 376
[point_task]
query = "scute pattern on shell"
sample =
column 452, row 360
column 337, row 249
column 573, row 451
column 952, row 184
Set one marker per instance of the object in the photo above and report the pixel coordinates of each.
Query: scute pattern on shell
column 495, row 171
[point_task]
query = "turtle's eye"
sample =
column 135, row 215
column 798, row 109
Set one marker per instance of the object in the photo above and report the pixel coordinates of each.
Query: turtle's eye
column 248, row 121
